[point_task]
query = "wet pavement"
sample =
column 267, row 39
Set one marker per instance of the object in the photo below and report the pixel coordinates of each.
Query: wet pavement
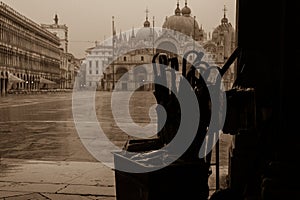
column 42, row 156
column 32, row 179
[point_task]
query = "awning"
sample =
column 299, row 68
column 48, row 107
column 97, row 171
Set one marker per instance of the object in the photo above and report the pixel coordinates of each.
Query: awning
column 14, row 79
column 46, row 81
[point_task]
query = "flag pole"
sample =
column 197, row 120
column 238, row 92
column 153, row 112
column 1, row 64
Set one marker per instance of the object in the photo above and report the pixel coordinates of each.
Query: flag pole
column 113, row 52
column 153, row 36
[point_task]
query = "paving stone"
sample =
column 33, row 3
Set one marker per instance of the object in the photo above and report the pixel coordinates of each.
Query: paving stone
column 30, row 187
column 102, row 198
column 64, row 197
column 10, row 194
column 88, row 190
column 34, row 196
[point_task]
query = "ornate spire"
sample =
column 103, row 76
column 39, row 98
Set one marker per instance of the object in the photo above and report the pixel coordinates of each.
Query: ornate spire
column 120, row 36
column 177, row 10
column 147, row 13
column 153, row 20
column 56, row 19
column 224, row 20
column 113, row 26
column 153, row 24
column 132, row 34
column 147, row 23
column 186, row 11
column 125, row 37
column 225, row 10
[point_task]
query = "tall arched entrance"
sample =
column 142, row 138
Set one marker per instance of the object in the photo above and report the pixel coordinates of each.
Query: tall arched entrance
column 167, row 47
column 140, row 77
column 121, row 73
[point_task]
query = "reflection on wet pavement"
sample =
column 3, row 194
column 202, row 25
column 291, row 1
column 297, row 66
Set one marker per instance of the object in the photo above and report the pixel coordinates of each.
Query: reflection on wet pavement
column 41, row 155
column 41, row 127
column 38, row 134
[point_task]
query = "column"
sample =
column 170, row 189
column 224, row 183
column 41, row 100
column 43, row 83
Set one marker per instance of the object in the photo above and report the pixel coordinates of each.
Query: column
column 3, row 86
column 1, row 79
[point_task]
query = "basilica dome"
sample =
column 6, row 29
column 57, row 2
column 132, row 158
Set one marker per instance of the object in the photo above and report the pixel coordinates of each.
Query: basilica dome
column 225, row 28
column 146, row 33
column 186, row 11
column 183, row 22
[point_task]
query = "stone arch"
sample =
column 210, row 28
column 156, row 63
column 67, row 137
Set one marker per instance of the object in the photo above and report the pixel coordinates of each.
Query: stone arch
column 33, row 79
column 13, row 85
column 120, row 72
column 24, row 78
column 27, row 81
column 210, row 47
column 167, row 47
column 140, row 76
column 19, row 85
column 2, row 83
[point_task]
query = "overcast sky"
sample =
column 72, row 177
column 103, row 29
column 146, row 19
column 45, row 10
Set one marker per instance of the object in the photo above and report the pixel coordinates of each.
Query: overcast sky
column 90, row 20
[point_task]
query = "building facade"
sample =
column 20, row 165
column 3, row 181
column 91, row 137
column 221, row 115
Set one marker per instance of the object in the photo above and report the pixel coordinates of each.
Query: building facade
column 96, row 60
column 29, row 54
column 221, row 45
column 180, row 33
column 60, row 30
column 69, row 64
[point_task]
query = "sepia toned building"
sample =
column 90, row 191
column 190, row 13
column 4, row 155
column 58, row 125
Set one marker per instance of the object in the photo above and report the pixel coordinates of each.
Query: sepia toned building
column 29, row 54
column 69, row 64
column 96, row 59
column 132, row 55
column 180, row 33
column 221, row 45
column 60, row 30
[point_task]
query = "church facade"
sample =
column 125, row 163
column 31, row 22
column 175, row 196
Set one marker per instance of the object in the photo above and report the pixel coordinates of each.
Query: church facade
column 133, row 51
